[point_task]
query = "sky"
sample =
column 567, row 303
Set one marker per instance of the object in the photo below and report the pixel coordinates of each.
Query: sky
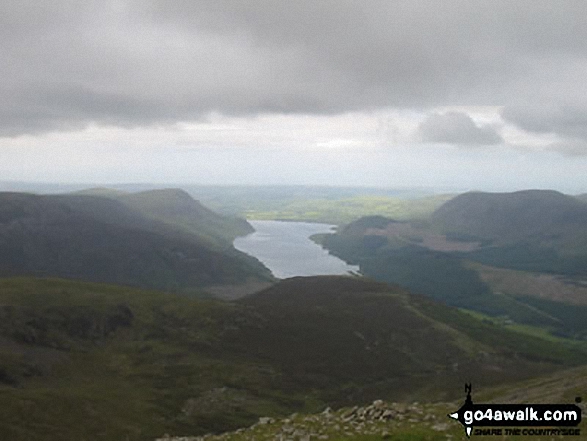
column 468, row 94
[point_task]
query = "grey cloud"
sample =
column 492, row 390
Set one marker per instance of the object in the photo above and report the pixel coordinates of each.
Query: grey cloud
column 456, row 128
column 567, row 121
column 140, row 62
column 564, row 120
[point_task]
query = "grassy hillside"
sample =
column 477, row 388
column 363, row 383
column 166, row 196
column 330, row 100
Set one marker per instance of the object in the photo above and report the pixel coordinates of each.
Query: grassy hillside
column 439, row 266
column 546, row 218
column 103, row 240
column 413, row 421
column 535, row 230
column 89, row 361
column 177, row 208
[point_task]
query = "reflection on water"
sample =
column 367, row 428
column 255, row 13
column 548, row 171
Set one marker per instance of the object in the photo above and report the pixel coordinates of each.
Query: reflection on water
column 285, row 248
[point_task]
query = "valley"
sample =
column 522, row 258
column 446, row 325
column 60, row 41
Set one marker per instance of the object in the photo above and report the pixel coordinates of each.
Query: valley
column 297, row 220
column 134, row 311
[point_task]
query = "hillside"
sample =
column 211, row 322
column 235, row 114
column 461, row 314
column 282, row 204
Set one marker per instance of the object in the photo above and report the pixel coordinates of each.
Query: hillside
column 413, row 421
column 178, row 209
column 545, row 217
column 103, row 240
column 534, row 230
column 540, row 234
column 90, row 361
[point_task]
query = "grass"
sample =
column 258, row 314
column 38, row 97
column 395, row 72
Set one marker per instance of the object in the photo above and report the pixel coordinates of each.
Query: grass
column 343, row 211
column 92, row 361
column 528, row 299
column 411, row 422
column 533, row 331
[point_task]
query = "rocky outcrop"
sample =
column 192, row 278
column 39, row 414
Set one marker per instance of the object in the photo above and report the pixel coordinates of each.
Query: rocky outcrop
column 377, row 419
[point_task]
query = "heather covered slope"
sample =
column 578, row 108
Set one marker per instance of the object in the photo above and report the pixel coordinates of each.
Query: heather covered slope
column 91, row 361
column 102, row 240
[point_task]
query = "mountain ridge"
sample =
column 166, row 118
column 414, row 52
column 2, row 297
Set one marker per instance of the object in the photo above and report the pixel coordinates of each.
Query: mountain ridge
column 103, row 240
column 178, row 208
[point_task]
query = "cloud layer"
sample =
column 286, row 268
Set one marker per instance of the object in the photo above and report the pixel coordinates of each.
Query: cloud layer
column 456, row 128
column 137, row 63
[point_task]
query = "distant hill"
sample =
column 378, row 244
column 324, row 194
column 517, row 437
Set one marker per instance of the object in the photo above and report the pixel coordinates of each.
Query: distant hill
column 582, row 197
column 544, row 216
column 92, row 361
column 177, row 208
column 533, row 230
column 536, row 231
column 104, row 240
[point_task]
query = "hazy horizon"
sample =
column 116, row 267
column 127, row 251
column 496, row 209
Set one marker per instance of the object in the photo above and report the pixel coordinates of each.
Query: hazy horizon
column 48, row 187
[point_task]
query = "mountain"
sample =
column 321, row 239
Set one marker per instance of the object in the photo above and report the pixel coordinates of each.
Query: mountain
column 532, row 231
column 104, row 240
column 177, row 208
column 92, row 361
column 545, row 216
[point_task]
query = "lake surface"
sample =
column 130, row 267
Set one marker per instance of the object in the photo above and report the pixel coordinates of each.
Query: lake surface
column 286, row 249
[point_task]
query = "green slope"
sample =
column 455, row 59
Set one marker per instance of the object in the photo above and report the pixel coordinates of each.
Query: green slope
column 103, row 240
column 505, row 216
column 177, row 208
column 397, row 252
column 90, row 361
column 533, row 230
column 414, row 421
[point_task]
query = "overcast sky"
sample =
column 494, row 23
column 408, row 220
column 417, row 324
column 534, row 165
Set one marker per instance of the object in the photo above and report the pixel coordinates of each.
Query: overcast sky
column 463, row 94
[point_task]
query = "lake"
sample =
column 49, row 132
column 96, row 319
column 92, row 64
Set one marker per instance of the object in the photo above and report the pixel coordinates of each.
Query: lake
column 286, row 249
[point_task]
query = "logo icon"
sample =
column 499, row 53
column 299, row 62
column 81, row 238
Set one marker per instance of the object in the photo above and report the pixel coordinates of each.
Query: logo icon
column 557, row 416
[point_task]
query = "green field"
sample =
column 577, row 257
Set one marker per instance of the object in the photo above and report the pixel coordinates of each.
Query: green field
column 343, row 211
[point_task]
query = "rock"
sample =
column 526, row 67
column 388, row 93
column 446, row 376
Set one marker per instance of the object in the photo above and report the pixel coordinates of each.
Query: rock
column 387, row 415
column 440, row 427
column 378, row 404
